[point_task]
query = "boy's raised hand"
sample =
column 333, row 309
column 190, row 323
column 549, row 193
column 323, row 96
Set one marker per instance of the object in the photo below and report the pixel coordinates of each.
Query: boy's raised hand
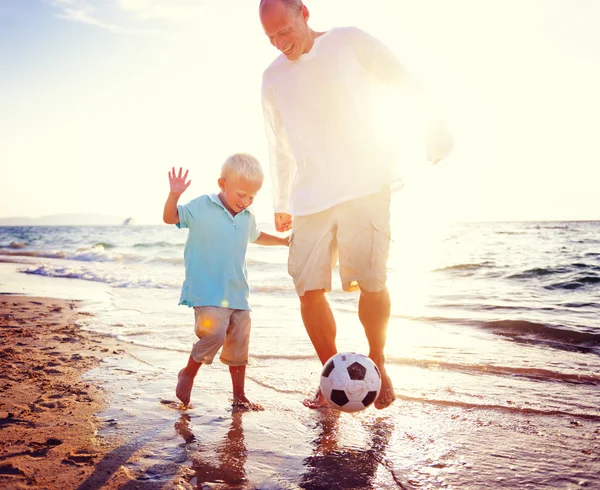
column 177, row 182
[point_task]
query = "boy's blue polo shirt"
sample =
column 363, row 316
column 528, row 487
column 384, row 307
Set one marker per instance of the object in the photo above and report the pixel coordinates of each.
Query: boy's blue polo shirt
column 215, row 253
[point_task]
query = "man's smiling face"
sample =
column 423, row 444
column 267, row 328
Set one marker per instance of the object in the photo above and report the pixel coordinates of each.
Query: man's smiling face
column 287, row 28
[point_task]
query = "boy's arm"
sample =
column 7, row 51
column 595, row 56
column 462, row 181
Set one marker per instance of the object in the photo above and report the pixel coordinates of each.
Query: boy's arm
column 178, row 186
column 170, row 214
column 266, row 239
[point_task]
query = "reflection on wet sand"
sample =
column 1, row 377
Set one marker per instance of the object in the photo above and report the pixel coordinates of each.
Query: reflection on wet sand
column 334, row 463
column 333, row 467
column 225, row 464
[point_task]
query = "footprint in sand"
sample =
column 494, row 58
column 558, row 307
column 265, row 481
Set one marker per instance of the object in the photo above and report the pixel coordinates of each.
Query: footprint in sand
column 48, row 405
column 11, row 420
column 9, row 469
column 175, row 405
column 80, row 458
column 53, row 371
column 40, row 449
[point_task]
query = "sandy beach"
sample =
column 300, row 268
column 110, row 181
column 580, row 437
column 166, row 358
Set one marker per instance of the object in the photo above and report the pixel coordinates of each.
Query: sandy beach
column 47, row 414
column 51, row 436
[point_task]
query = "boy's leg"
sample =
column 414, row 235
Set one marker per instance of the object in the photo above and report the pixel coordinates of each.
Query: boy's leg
column 235, row 355
column 238, row 378
column 211, row 327
column 185, row 380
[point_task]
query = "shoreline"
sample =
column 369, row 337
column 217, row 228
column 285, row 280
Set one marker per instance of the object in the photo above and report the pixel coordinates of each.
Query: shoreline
column 48, row 411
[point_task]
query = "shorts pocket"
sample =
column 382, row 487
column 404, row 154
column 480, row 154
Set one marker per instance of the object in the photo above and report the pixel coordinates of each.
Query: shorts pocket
column 380, row 250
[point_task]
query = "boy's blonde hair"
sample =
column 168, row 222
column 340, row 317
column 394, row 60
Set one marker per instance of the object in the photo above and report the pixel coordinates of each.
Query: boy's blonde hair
column 242, row 165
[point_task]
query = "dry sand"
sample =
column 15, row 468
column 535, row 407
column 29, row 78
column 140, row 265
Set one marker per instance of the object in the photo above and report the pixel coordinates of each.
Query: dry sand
column 47, row 423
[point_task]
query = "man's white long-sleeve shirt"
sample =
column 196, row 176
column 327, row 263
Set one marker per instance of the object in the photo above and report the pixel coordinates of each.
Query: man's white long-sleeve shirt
column 318, row 110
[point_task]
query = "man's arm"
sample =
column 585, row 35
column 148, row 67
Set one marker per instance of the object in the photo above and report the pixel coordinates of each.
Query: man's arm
column 283, row 222
column 178, row 186
column 266, row 239
column 380, row 62
column 281, row 160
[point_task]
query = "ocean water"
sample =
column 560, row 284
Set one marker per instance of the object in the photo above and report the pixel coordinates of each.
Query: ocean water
column 493, row 348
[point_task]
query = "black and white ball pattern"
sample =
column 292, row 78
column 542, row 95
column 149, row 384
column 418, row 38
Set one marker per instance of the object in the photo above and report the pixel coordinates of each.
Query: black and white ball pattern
column 350, row 382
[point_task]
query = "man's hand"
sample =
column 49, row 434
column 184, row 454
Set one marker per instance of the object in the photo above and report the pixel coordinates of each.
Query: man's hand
column 439, row 142
column 177, row 182
column 283, row 221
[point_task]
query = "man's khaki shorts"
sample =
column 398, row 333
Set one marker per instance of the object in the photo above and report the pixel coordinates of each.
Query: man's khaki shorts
column 355, row 232
column 221, row 327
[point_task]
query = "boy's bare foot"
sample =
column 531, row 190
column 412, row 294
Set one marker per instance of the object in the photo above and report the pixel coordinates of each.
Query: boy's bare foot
column 386, row 395
column 317, row 401
column 182, row 426
column 242, row 403
column 185, row 382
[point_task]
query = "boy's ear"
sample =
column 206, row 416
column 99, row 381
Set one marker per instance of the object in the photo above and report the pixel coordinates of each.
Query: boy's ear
column 221, row 183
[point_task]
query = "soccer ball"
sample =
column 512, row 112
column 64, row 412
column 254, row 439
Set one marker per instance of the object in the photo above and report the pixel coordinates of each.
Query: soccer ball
column 350, row 382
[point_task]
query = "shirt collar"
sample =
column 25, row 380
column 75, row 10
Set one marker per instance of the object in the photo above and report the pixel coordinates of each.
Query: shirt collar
column 215, row 198
column 313, row 50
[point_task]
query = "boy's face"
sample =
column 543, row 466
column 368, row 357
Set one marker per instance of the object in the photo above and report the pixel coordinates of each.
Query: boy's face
column 238, row 193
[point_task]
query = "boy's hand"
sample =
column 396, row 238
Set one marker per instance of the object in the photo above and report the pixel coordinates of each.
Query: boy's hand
column 177, row 182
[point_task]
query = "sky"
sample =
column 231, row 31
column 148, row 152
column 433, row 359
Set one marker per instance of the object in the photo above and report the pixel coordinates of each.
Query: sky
column 100, row 98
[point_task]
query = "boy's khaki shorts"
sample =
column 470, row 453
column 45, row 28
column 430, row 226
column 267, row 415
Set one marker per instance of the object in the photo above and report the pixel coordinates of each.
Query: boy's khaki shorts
column 357, row 232
column 221, row 327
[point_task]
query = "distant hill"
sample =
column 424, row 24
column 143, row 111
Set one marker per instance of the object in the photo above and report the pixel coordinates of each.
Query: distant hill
column 68, row 219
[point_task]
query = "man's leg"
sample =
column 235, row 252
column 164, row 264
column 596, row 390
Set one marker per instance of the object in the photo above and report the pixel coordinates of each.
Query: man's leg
column 319, row 323
column 374, row 314
column 320, row 326
column 313, row 254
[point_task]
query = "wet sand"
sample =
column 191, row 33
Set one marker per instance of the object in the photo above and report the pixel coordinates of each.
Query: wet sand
column 47, row 411
column 82, row 411
column 62, row 428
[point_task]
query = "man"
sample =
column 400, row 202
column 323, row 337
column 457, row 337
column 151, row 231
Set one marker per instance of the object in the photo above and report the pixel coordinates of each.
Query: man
column 329, row 172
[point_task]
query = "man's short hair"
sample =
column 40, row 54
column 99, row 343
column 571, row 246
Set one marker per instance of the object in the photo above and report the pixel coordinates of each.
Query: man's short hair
column 242, row 165
column 293, row 5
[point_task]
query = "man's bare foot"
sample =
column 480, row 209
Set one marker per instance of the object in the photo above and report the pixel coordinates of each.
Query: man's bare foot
column 386, row 395
column 185, row 382
column 317, row 401
column 242, row 403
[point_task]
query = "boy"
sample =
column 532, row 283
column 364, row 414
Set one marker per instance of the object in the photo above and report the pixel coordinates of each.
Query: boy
column 215, row 285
